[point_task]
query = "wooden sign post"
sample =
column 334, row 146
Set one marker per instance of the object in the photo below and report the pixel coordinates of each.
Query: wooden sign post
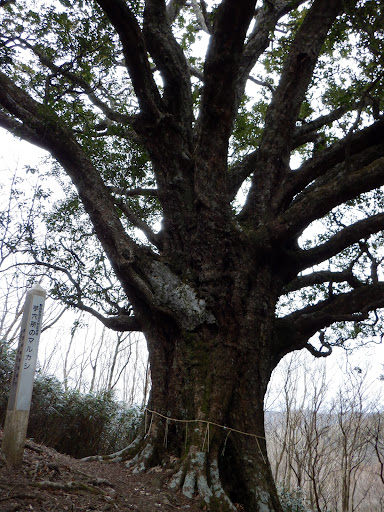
column 16, row 421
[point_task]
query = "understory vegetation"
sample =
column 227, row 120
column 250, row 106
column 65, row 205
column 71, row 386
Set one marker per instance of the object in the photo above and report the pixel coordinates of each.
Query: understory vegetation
column 74, row 423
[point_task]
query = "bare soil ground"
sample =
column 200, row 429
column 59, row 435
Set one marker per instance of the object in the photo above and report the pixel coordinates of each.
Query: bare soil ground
column 48, row 481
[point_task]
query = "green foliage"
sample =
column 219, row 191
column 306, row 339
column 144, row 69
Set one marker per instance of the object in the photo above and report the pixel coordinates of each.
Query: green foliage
column 248, row 126
column 71, row 422
column 291, row 501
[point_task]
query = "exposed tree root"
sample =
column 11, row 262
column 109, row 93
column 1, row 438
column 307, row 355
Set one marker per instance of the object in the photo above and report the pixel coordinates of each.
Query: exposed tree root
column 124, row 454
column 140, row 462
column 198, row 474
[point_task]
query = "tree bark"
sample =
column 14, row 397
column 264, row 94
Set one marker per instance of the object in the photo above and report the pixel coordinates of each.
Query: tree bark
column 207, row 399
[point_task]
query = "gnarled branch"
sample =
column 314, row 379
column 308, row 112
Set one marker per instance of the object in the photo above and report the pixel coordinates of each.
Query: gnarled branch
column 321, row 277
column 344, row 238
column 346, row 181
column 329, row 158
column 319, row 352
column 352, row 306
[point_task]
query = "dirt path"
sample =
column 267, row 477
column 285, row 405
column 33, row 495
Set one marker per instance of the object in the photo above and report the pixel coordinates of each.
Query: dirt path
column 49, row 481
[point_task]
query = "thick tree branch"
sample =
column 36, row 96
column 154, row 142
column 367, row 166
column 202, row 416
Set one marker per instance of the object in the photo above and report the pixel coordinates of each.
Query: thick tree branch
column 222, row 65
column 316, row 166
column 170, row 61
column 53, row 136
column 196, row 73
column 200, row 17
column 308, row 131
column 265, row 21
column 328, row 158
column 120, row 323
column 276, row 143
column 19, row 129
column 218, row 97
column 173, row 9
column 346, row 181
column 319, row 352
column 297, row 71
column 344, row 238
column 240, row 171
column 352, row 306
column 167, row 134
column 137, row 63
column 321, row 277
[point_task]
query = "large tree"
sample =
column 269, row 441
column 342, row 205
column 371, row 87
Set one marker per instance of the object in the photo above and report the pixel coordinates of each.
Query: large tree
column 147, row 129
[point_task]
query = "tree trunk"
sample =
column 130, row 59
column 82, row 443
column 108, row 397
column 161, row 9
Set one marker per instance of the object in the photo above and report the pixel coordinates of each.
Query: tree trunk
column 207, row 400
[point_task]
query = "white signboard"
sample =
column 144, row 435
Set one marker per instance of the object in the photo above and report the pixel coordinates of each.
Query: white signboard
column 26, row 357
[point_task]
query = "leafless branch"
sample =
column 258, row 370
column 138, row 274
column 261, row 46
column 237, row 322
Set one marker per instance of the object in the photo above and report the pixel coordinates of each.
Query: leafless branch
column 262, row 83
column 138, row 223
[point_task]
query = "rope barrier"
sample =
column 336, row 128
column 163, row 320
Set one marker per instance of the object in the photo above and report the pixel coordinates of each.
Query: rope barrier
column 206, row 436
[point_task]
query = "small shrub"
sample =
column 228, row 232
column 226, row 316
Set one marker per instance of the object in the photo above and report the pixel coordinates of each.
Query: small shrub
column 292, row 501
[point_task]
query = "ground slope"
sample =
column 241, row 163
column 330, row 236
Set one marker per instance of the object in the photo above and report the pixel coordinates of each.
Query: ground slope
column 49, row 481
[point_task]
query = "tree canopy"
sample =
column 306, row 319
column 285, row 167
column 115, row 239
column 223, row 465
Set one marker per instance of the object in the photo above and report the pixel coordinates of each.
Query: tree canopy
column 227, row 203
